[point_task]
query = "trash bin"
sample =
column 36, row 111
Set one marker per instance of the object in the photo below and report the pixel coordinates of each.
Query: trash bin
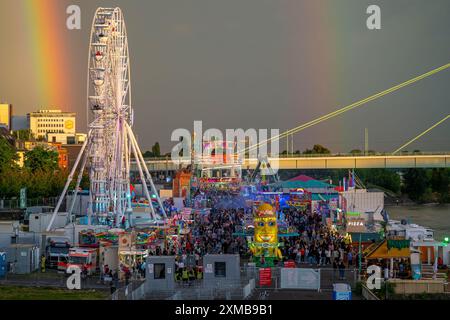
column 342, row 291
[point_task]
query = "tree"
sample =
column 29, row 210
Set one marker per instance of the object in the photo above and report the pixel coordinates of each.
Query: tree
column 8, row 155
column 11, row 181
column 317, row 149
column 385, row 178
column 24, row 134
column 356, row 152
column 41, row 159
column 156, row 150
column 148, row 154
column 416, row 183
column 440, row 182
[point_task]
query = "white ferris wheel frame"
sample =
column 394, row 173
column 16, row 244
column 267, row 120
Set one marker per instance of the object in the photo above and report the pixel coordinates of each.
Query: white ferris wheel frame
column 110, row 142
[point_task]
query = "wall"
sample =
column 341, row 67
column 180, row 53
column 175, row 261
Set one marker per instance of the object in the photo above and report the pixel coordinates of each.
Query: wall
column 40, row 221
column 81, row 204
column 232, row 273
column 25, row 257
column 417, row 286
column 361, row 201
column 168, row 283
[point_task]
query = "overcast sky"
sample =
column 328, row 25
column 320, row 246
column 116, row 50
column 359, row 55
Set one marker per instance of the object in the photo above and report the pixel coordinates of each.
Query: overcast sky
column 256, row 64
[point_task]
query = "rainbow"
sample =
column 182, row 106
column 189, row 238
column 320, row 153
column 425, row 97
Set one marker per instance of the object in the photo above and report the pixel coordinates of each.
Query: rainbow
column 317, row 53
column 44, row 26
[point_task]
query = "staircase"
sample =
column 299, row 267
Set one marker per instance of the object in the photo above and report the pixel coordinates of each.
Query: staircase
column 428, row 272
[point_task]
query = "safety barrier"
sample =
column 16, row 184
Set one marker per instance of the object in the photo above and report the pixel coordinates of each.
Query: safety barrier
column 367, row 294
column 248, row 289
column 328, row 277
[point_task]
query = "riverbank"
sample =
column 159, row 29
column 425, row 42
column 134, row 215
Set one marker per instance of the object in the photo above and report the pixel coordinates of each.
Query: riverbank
column 433, row 216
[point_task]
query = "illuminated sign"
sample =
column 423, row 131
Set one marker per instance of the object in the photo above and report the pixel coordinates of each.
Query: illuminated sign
column 356, row 225
column 68, row 124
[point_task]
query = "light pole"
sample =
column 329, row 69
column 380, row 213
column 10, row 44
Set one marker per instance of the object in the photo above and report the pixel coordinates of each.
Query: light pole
column 359, row 257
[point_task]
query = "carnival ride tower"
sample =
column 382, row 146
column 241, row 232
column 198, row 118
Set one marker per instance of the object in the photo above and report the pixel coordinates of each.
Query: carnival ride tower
column 110, row 144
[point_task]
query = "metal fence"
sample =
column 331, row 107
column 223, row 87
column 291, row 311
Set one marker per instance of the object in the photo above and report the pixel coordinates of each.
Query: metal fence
column 234, row 289
column 15, row 203
column 197, row 289
column 24, row 274
column 328, row 277
column 367, row 294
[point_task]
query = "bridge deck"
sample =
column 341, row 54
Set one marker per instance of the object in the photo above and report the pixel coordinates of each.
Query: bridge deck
column 327, row 162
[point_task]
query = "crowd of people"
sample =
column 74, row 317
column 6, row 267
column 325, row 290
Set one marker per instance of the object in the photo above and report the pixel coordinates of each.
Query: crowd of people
column 222, row 231
column 212, row 233
column 317, row 244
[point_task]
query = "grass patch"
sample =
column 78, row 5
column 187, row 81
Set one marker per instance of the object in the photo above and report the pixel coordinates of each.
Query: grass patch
column 45, row 293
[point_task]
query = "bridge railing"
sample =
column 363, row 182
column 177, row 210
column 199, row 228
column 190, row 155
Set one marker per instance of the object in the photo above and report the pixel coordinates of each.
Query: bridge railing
column 316, row 155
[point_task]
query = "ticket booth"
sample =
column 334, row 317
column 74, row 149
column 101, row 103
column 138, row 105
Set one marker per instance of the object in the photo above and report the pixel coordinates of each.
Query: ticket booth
column 221, row 270
column 160, row 273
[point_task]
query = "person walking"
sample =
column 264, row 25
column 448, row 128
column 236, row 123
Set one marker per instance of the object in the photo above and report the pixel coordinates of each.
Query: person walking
column 127, row 276
column 336, row 255
column 335, row 267
column 115, row 280
column 327, row 256
column 185, row 276
column 43, row 263
column 302, row 255
column 323, row 257
column 341, row 270
column 112, row 287
column 350, row 258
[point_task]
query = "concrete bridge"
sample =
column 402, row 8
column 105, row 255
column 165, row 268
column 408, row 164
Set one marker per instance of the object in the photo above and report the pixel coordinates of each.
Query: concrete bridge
column 325, row 162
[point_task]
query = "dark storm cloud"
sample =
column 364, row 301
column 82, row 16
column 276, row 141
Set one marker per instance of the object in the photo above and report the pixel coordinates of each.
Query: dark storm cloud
column 229, row 63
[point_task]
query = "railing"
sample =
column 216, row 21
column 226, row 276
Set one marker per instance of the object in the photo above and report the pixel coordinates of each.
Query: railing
column 328, row 277
column 139, row 293
column 132, row 291
column 367, row 294
column 15, row 203
column 237, row 289
column 248, row 289
column 315, row 155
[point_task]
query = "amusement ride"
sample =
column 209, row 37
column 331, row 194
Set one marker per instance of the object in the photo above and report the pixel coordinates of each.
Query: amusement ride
column 110, row 142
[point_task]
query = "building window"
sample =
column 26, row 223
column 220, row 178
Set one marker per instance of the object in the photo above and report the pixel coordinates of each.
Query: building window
column 159, row 270
column 220, row 270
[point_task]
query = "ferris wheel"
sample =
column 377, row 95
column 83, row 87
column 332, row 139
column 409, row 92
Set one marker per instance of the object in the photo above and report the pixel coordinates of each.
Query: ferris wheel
column 110, row 144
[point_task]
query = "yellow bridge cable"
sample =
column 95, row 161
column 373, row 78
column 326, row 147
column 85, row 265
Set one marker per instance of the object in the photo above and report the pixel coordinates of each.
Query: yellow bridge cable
column 423, row 133
column 349, row 107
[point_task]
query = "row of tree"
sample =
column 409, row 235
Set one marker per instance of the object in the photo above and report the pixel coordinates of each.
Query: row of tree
column 427, row 185
column 40, row 174
column 316, row 149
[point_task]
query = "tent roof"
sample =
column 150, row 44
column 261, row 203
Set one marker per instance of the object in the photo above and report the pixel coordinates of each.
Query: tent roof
column 306, row 184
column 323, row 196
column 365, row 236
column 381, row 251
column 301, row 177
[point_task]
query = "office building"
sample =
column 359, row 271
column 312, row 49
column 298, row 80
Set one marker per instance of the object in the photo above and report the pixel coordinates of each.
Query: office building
column 43, row 122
